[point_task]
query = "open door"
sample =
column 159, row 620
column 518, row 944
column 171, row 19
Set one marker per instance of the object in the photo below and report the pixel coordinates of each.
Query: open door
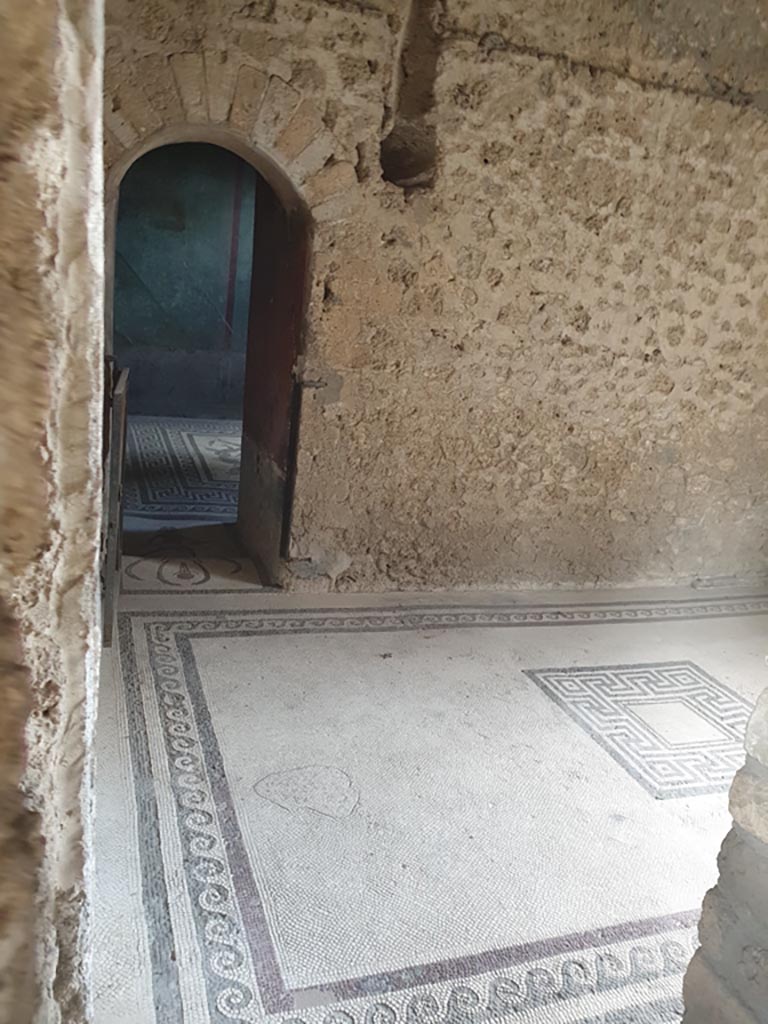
column 271, row 395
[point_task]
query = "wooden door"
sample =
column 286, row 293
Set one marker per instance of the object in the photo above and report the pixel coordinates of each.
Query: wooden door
column 115, row 408
column 271, row 393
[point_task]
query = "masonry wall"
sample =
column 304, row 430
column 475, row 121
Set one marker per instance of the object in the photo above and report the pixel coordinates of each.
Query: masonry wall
column 51, row 277
column 536, row 354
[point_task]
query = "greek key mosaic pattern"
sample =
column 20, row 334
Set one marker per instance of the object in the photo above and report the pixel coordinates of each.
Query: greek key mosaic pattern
column 182, row 468
column 613, row 975
column 676, row 730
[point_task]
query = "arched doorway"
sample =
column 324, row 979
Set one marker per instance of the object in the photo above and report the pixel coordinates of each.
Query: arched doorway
column 205, row 309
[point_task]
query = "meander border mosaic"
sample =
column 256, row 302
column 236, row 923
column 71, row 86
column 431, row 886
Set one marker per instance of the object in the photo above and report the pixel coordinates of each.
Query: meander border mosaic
column 242, row 975
column 599, row 699
column 167, row 475
column 582, row 613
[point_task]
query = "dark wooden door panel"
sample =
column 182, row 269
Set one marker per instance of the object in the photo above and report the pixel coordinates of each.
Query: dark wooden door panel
column 278, row 294
column 114, row 503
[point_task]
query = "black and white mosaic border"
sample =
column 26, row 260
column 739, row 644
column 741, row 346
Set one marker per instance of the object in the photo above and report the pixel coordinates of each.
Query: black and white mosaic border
column 167, row 473
column 395, row 618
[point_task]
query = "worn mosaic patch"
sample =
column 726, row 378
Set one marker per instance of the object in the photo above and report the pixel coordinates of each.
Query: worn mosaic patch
column 671, row 725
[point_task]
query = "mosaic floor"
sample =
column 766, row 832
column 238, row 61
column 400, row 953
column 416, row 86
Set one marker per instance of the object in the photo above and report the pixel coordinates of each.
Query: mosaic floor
column 367, row 811
column 182, row 469
column 186, row 560
column 180, row 505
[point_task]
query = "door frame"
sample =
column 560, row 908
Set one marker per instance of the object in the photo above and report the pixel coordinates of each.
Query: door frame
column 300, row 219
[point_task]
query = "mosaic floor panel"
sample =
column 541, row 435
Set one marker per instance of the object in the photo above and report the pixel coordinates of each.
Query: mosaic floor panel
column 672, row 726
column 364, row 814
column 182, row 468
column 187, row 560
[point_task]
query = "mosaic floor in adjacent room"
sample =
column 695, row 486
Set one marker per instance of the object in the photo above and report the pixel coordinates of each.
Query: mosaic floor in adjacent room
column 180, row 506
column 182, row 469
column 454, row 808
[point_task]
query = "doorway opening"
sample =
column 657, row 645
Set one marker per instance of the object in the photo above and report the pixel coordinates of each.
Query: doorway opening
column 183, row 262
column 210, row 269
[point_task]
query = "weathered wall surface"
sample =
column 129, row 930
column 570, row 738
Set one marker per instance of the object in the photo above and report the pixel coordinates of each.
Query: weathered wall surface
column 50, row 338
column 727, row 981
column 547, row 364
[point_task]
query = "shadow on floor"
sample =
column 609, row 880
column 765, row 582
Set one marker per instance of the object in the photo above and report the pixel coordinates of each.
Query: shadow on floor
column 186, row 559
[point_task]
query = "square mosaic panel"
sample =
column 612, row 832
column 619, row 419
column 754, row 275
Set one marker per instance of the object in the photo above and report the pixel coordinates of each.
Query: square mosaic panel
column 676, row 730
column 182, row 468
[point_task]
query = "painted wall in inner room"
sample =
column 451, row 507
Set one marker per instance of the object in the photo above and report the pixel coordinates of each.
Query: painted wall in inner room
column 183, row 260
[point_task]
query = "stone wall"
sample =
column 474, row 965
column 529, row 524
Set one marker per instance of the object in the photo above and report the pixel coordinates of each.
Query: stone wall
column 50, row 437
column 727, row 981
column 535, row 342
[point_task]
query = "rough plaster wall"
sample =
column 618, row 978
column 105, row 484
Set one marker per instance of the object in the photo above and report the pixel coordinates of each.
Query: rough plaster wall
column 50, row 338
column 550, row 366
column 554, row 362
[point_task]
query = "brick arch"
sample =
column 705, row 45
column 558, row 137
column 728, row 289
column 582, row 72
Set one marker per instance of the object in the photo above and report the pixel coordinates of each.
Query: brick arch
column 201, row 95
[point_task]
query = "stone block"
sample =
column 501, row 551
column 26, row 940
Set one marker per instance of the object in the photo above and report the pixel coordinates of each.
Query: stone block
column 748, row 802
column 735, row 943
column 158, row 85
column 112, row 147
column 220, row 76
column 708, row 1000
column 280, row 101
column 715, row 920
column 250, row 87
column 757, row 731
column 305, row 123
column 743, row 863
column 341, row 207
column 137, row 110
column 331, row 180
column 189, row 72
column 116, row 123
column 314, row 157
